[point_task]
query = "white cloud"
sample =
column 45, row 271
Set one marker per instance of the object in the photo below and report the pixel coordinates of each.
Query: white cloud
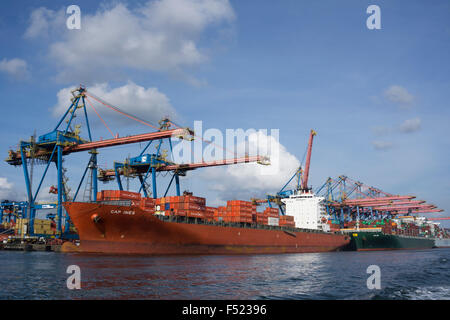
column 148, row 104
column 382, row 145
column 161, row 35
column 45, row 22
column 381, row 130
column 399, row 95
column 17, row 68
column 7, row 191
column 243, row 181
column 410, row 125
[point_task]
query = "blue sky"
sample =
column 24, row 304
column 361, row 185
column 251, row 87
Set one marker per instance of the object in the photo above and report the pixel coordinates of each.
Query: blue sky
column 291, row 65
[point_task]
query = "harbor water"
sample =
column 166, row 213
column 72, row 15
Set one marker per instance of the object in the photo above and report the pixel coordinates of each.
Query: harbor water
column 408, row 274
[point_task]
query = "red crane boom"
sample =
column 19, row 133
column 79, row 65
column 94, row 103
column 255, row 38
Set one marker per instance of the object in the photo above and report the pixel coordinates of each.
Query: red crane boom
column 127, row 140
column 378, row 200
column 419, row 206
column 190, row 166
column 308, row 160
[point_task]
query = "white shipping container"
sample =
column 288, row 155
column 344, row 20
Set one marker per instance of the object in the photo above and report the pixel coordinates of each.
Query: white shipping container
column 273, row 221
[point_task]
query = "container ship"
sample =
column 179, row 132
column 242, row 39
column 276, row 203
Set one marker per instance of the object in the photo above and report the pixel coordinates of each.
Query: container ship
column 124, row 222
column 403, row 232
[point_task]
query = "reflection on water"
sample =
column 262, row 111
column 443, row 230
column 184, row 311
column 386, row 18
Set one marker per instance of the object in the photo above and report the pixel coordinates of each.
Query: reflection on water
column 404, row 275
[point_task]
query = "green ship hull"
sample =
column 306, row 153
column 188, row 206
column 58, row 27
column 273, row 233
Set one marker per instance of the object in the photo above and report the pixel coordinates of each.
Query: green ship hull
column 366, row 241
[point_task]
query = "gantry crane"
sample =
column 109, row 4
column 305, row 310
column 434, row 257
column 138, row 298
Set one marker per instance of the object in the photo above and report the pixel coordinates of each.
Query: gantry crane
column 353, row 200
column 51, row 147
column 62, row 141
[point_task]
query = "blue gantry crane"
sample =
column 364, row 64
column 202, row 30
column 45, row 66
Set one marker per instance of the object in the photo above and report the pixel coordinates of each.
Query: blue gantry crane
column 350, row 200
column 65, row 139
column 49, row 148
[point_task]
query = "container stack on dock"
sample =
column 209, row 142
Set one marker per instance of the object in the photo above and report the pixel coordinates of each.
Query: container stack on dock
column 40, row 227
column 21, row 226
column 44, row 226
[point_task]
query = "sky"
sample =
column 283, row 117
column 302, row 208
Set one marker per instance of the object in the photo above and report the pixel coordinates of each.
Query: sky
column 378, row 99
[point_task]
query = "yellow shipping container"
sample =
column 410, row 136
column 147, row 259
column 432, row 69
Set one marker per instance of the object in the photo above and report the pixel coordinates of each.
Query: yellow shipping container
column 42, row 225
column 20, row 223
column 43, row 222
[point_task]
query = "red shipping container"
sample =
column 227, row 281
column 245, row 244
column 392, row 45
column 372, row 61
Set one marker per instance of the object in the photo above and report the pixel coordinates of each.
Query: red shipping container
column 148, row 202
column 239, row 209
column 128, row 195
column 148, row 210
column 210, row 209
column 239, row 203
column 181, row 213
column 136, row 203
column 192, row 206
column 195, row 214
column 197, row 200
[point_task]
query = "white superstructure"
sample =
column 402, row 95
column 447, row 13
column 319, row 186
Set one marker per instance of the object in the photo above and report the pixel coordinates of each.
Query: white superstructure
column 308, row 211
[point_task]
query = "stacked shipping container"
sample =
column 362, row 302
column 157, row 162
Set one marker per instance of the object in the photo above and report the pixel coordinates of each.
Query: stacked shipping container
column 239, row 211
column 195, row 207
column 184, row 206
column 287, row 221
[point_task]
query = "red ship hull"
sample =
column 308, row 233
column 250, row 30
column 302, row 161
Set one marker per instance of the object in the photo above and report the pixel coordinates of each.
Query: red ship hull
column 113, row 229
